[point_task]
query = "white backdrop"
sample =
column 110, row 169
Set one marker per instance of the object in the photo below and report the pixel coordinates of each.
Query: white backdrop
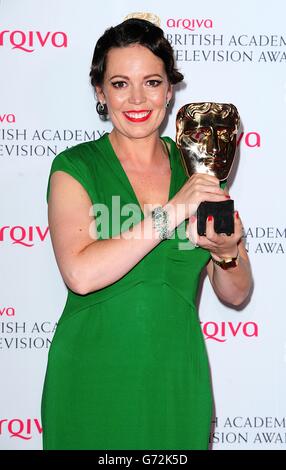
column 228, row 53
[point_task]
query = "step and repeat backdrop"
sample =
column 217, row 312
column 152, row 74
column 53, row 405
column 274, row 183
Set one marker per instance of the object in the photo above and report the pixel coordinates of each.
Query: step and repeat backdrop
column 228, row 52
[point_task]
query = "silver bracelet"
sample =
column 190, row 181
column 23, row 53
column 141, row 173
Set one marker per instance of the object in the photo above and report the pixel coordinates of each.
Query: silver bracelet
column 160, row 218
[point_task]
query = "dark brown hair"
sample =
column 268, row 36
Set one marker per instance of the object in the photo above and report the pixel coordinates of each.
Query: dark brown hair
column 132, row 31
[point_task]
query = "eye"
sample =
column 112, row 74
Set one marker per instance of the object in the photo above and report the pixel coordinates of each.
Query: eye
column 198, row 135
column 225, row 135
column 154, row 83
column 119, row 84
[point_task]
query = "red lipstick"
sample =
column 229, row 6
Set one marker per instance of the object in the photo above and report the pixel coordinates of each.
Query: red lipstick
column 140, row 115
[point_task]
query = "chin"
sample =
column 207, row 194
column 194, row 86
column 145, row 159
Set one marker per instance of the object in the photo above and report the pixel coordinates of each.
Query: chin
column 140, row 132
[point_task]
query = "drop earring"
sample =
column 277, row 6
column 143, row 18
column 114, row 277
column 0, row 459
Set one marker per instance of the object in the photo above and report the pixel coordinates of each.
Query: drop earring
column 101, row 108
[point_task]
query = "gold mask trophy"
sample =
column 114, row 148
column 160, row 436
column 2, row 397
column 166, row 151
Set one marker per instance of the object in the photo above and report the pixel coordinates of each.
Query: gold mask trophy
column 206, row 138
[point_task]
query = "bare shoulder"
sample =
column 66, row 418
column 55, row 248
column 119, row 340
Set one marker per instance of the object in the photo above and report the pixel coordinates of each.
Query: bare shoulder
column 64, row 187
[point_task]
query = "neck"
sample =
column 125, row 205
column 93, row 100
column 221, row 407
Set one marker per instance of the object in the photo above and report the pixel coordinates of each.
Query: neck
column 138, row 153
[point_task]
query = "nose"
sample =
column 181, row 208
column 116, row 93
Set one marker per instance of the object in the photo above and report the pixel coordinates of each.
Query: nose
column 137, row 95
column 212, row 143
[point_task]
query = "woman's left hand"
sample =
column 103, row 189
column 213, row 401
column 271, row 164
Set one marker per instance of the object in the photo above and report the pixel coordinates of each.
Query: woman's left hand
column 220, row 245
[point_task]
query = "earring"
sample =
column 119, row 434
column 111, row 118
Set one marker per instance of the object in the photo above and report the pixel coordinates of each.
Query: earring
column 101, row 108
column 167, row 104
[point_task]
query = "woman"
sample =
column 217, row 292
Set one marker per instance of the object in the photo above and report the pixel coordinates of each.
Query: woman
column 128, row 367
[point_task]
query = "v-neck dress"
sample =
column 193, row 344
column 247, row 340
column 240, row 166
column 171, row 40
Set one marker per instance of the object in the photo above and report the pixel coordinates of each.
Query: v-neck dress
column 127, row 367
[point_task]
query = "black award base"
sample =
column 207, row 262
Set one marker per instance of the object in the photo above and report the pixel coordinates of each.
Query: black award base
column 222, row 213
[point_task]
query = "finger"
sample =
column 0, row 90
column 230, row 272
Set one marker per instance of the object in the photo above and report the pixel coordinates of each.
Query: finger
column 226, row 190
column 238, row 227
column 192, row 232
column 208, row 179
column 196, row 239
column 205, row 184
column 215, row 196
column 211, row 189
column 217, row 240
column 210, row 231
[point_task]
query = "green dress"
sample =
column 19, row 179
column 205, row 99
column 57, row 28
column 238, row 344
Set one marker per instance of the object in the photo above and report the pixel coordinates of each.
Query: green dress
column 127, row 367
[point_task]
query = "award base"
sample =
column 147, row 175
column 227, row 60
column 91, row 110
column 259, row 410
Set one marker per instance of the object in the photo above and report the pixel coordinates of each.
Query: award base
column 222, row 213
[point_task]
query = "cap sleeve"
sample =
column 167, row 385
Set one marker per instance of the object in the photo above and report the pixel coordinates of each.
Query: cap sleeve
column 70, row 162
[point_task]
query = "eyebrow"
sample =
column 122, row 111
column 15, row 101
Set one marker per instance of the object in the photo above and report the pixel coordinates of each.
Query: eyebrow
column 127, row 78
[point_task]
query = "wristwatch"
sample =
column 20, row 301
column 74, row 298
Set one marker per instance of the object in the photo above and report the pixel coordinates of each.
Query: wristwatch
column 227, row 263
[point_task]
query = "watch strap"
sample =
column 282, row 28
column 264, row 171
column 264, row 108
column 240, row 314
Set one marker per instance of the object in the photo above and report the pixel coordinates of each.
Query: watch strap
column 227, row 263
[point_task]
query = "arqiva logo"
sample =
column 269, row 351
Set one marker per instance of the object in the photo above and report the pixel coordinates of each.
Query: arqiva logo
column 30, row 40
column 222, row 331
column 10, row 118
column 23, row 429
column 23, row 236
column 250, row 139
column 190, row 23
column 7, row 311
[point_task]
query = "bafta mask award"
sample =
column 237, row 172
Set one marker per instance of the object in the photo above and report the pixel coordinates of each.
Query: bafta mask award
column 206, row 138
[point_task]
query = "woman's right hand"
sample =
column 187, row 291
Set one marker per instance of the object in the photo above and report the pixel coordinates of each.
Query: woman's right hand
column 199, row 187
